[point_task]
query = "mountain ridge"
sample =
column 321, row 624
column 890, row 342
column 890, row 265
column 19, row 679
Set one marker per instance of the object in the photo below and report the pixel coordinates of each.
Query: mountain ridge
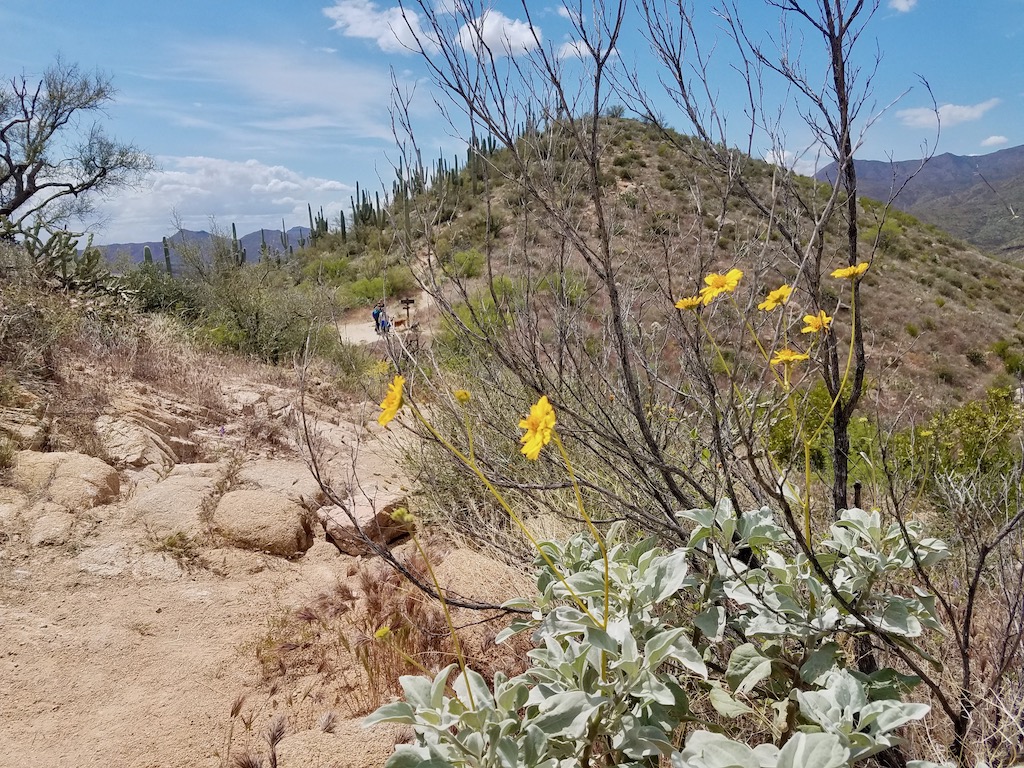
column 251, row 242
column 978, row 198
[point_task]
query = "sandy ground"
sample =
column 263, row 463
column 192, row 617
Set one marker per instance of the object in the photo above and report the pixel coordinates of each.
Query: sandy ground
column 115, row 653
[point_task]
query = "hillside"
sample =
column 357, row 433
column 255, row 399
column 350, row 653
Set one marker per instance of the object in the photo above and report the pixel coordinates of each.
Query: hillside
column 937, row 306
column 978, row 198
column 199, row 584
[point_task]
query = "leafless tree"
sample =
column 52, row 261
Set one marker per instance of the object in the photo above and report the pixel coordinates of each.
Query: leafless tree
column 53, row 162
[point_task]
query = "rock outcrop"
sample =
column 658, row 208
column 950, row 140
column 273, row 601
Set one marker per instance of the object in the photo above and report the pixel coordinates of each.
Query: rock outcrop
column 264, row 521
column 175, row 504
column 72, row 480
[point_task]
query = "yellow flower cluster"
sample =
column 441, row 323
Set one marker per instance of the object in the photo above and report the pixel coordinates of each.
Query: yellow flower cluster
column 788, row 357
column 717, row 284
column 690, row 302
column 852, row 273
column 538, row 426
column 816, row 323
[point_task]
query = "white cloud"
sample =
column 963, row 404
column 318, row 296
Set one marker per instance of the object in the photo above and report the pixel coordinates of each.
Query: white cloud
column 395, row 30
column 499, row 33
column 949, row 114
column 577, row 49
column 574, row 49
column 285, row 92
column 251, row 194
column 995, row 141
column 804, row 163
column 902, row 6
column 572, row 16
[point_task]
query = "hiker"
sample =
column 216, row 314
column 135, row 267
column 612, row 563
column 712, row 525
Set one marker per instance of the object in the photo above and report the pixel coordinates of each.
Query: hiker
column 378, row 313
column 385, row 323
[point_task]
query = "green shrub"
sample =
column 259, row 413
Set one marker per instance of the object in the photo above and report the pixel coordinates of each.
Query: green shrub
column 156, row 291
column 468, row 264
column 259, row 311
column 629, row 637
column 333, row 269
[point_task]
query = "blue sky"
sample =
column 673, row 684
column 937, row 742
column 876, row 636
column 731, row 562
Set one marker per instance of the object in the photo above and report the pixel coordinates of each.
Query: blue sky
column 254, row 109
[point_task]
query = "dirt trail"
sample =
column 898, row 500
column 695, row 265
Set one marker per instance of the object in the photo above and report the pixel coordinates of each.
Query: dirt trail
column 116, row 649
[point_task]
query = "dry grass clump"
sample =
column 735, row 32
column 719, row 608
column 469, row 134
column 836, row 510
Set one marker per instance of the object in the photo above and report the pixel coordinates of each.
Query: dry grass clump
column 356, row 639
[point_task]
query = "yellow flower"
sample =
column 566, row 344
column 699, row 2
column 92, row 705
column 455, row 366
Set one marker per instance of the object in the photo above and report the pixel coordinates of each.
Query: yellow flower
column 776, row 298
column 383, row 632
column 816, row 323
column 690, row 302
column 392, row 402
column 788, row 357
column 718, row 284
column 851, row 273
column 462, row 395
column 538, row 426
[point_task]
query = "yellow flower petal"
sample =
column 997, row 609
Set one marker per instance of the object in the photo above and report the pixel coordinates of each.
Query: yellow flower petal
column 690, row 302
column 392, row 401
column 816, row 323
column 717, row 284
column 776, row 298
column 788, row 357
column 462, row 395
column 851, row 273
column 538, row 426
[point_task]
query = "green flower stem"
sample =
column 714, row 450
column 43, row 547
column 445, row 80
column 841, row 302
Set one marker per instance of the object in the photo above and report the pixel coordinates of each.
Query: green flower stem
column 798, row 431
column 472, row 466
column 750, row 329
column 447, row 617
column 846, row 372
column 590, row 525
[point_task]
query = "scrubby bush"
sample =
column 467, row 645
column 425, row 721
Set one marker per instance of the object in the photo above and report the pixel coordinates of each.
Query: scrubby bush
column 636, row 645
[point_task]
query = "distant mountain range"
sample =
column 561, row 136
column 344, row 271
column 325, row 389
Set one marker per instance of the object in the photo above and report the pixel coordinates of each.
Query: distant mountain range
column 978, row 198
column 250, row 242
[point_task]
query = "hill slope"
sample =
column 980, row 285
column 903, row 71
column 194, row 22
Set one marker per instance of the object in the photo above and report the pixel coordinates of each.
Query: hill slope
column 977, row 198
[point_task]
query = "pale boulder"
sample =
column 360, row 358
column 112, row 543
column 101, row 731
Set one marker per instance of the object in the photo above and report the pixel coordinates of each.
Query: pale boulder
column 175, row 504
column 72, row 480
column 51, row 524
column 131, row 443
column 291, row 478
column 265, row 521
column 23, row 426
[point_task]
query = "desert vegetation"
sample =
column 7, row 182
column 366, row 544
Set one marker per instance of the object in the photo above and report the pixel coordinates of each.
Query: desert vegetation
column 768, row 466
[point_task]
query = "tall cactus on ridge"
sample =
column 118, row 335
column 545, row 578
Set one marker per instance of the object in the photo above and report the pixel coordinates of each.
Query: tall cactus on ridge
column 167, row 257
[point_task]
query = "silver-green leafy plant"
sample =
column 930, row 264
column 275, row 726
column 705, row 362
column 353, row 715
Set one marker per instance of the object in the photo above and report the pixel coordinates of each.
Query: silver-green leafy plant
column 635, row 645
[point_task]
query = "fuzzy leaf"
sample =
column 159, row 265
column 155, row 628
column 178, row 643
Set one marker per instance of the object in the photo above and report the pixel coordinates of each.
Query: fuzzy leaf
column 813, row 750
column 395, row 712
column 726, row 705
column 747, row 668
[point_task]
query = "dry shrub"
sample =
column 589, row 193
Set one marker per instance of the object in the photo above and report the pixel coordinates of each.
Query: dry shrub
column 168, row 361
column 338, row 637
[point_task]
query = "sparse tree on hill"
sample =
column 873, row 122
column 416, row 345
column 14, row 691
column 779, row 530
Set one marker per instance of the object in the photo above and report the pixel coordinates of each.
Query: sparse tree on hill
column 55, row 161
